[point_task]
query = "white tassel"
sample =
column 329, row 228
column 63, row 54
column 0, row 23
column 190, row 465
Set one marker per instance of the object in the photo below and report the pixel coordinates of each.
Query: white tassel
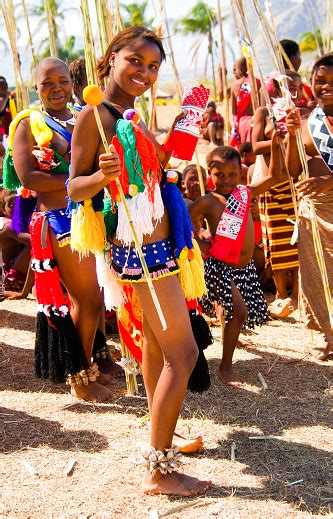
column 141, row 212
column 158, row 207
column 113, row 291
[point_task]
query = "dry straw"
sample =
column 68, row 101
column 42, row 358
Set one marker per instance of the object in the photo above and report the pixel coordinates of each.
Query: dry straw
column 22, row 100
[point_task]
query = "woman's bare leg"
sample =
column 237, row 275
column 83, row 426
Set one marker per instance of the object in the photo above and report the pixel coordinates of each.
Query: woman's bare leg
column 152, row 354
column 179, row 353
column 79, row 278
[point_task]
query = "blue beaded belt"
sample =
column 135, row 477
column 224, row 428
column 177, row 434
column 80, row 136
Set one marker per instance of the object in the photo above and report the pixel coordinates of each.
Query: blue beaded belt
column 126, row 264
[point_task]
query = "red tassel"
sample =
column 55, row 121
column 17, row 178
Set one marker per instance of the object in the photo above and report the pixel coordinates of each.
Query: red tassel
column 48, row 286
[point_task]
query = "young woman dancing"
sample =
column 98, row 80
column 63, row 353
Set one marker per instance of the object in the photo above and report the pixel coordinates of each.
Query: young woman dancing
column 131, row 64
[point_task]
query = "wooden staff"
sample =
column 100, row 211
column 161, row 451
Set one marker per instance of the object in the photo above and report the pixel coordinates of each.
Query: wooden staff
column 227, row 128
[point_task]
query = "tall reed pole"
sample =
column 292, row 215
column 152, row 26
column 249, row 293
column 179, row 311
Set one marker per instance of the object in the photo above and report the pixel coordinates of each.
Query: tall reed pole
column 7, row 8
column 253, row 83
column 52, row 28
column 224, row 75
column 89, row 45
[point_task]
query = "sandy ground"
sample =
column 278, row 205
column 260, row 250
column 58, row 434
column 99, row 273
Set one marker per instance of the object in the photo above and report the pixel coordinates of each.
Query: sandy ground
column 46, row 427
column 286, row 475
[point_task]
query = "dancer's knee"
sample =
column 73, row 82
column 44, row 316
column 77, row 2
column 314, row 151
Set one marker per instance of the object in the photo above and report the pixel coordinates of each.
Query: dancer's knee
column 184, row 360
column 239, row 312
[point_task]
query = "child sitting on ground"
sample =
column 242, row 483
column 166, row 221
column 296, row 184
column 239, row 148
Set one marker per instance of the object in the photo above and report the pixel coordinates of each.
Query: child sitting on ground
column 230, row 273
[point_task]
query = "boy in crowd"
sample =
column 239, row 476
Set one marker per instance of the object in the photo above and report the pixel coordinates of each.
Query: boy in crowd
column 230, row 274
column 191, row 183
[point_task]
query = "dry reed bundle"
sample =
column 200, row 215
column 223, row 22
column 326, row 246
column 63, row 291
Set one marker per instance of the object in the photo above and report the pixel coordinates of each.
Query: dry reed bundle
column 22, row 99
column 89, row 45
column 227, row 127
column 52, row 28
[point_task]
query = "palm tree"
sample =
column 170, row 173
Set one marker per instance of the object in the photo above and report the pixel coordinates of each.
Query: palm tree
column 311, row 42
column 135, row 14
column 201, row 20
column 66, row 52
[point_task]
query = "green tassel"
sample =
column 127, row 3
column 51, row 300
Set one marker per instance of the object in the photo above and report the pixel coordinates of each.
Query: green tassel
column 110, row 218
column 10, row 179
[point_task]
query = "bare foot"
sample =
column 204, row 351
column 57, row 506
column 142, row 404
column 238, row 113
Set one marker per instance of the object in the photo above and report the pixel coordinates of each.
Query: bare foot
column 228, row 376
column 105, row 380
column 280, row 308
column 93, row 392
column 174, row 483
column 110, row 367
column 188, row 446
column 324, row 353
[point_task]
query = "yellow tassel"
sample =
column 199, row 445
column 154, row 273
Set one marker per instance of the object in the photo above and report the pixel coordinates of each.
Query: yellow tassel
column 87, row 229
column 41, row 132
column 12, row 108
column 186, row 278
column 197, row 268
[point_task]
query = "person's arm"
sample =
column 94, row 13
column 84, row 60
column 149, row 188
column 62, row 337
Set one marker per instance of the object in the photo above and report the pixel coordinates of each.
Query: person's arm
column 275, row 170
column 26, row 165
column 261, row 146
column 313, row 186
column 84, row 182
column 293, row 160
column 197, row 212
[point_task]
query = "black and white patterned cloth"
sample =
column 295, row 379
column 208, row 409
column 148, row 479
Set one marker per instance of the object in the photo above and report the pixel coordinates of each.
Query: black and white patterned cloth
column 218, row 278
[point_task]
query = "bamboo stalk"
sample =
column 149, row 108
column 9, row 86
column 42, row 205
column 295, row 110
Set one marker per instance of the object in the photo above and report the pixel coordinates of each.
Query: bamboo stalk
column 89, row 46
column 52, row 28
column 22, row 100
column 227, row 128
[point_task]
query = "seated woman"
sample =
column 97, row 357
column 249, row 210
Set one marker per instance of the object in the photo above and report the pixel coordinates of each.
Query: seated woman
column 131, row 64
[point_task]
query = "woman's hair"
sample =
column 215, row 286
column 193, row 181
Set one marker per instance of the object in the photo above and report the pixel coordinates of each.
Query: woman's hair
column 122, row 40
column 77, row 70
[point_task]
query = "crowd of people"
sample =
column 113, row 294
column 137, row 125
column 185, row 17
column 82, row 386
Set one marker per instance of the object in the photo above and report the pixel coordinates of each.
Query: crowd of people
column 214, row 237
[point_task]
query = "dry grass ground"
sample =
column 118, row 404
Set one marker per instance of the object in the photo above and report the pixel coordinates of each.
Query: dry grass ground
column 44, row 426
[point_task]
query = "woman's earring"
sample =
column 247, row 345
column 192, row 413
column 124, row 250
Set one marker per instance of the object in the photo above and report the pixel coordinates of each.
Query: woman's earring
column 112, row 63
